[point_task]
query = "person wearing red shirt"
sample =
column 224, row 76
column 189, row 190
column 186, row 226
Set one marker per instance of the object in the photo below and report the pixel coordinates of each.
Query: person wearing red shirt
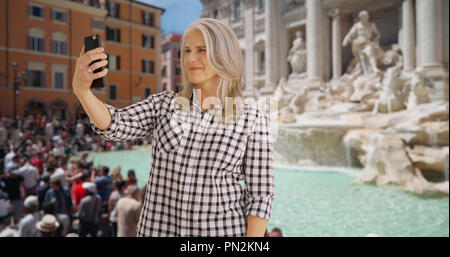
column 37, row 162
column 78, row 191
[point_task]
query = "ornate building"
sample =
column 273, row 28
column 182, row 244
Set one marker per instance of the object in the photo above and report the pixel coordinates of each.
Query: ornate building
column 267, row 28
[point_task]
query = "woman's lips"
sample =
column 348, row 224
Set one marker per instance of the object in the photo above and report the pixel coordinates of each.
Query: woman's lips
column 196, row 68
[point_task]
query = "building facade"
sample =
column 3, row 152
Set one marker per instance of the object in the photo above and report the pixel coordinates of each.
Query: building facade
column 267, row 28
column 170, row 59
column 44, row 38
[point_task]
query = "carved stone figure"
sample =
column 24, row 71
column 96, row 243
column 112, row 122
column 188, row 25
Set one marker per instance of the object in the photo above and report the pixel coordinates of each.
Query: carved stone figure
column 391, row 97
column 415, row 89
column 297, row 54
column 364, row 37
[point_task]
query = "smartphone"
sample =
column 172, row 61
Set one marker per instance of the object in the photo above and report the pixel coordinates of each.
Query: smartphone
column 92, row 42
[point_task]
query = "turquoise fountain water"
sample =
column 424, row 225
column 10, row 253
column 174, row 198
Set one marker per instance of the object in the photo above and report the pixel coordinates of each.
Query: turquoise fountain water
column 327, row 203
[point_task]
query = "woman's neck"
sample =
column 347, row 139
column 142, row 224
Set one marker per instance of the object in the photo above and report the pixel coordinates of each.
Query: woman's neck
column 207, row 89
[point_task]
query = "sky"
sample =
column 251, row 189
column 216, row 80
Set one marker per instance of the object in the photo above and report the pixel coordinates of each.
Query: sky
column 178, row 15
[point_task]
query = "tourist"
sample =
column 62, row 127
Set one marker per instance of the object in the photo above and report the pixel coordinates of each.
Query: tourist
column 63, row 220
column 131, row 178
column 48, row 226
column 30, row 175
column 14, row 187
column 116, row 175
column 10, row 154
column 104, row 185
column 89, row 211
column 6, row 207
column 78, row 192
column 206, row 39
column 59, row 195
column 27, row 225
column 43, row 187
column 118, row 193
column 128, row 210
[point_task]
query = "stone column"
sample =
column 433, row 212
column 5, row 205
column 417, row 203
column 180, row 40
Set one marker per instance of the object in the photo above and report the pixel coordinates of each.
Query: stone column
column 409, row 35
column 336, row 44
column 313, row 40
column 430, row 46
column 270, row 47
column 249, row 24
column 429, row 25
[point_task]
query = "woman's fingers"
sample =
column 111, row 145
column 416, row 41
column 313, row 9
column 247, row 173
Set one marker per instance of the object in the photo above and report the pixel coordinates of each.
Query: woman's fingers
column 93, row 55
column 97, row 65
column 100, row 74
column 95, row 51
column 82, row 51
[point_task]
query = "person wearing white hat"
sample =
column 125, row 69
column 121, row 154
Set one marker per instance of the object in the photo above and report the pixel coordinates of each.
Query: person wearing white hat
column 27, row 225
column 48, row 226
column 89, row 211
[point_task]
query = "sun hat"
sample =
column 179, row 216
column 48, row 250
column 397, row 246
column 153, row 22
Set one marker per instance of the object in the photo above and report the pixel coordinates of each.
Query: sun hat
column 48, row 223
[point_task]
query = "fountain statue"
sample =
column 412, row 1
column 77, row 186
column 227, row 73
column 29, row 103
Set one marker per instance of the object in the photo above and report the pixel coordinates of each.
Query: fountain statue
column 377, row 117
column 297, row 54
column 365, row 38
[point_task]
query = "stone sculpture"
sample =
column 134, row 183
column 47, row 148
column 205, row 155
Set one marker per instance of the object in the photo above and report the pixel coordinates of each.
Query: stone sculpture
column 297, row 54
column 364, row 37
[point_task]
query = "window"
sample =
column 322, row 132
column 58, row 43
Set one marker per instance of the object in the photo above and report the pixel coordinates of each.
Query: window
column 59, row 80
column 113, row 92
column 164, row 71
column 36, row 11
column 237, row 9
column 36, row 78
column 113, row 34
column 148, row 66
column 94, row 3
column 113, row 9
column 260, row 4
column 215, row 14
column 178, row 71
column 114, row 62
column 179, row 54
column 147, row 92
column 98, row 24
column 36, row 44
column 262, row 60
column 59, row 47
column 164, row 87
column 59, row 15
column 147, row 18
column 148, row 41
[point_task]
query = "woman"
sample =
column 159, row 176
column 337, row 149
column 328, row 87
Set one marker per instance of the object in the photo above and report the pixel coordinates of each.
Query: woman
column 197, row 160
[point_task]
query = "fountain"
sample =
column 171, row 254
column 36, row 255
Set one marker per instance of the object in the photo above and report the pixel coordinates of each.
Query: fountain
column 375, row 115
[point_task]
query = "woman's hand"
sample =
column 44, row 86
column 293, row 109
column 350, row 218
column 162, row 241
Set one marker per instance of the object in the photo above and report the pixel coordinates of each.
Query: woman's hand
column 84, row 72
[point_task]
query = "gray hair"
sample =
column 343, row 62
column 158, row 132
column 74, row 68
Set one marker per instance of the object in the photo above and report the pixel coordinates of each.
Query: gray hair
column 223, row 55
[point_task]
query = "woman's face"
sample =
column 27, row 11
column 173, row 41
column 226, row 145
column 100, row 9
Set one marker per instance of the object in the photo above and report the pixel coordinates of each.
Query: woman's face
column 197, row 69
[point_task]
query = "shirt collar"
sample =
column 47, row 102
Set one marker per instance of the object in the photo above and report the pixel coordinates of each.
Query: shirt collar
column 196, row 102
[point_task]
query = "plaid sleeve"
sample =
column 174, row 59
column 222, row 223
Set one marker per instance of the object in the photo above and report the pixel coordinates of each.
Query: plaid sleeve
column 258, row 169
column 134, row 121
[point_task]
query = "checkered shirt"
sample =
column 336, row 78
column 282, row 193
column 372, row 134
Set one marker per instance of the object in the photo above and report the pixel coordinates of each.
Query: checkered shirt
column 193, row 187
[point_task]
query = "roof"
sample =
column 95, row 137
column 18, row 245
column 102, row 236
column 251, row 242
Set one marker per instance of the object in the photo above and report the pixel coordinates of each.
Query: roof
column 149, row 5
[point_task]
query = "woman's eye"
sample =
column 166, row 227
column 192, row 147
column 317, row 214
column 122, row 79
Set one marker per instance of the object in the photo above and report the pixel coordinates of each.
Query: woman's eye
column 187, row 51
column 202, row 50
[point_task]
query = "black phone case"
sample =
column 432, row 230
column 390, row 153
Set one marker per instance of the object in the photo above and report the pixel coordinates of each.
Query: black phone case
column 92, row 42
